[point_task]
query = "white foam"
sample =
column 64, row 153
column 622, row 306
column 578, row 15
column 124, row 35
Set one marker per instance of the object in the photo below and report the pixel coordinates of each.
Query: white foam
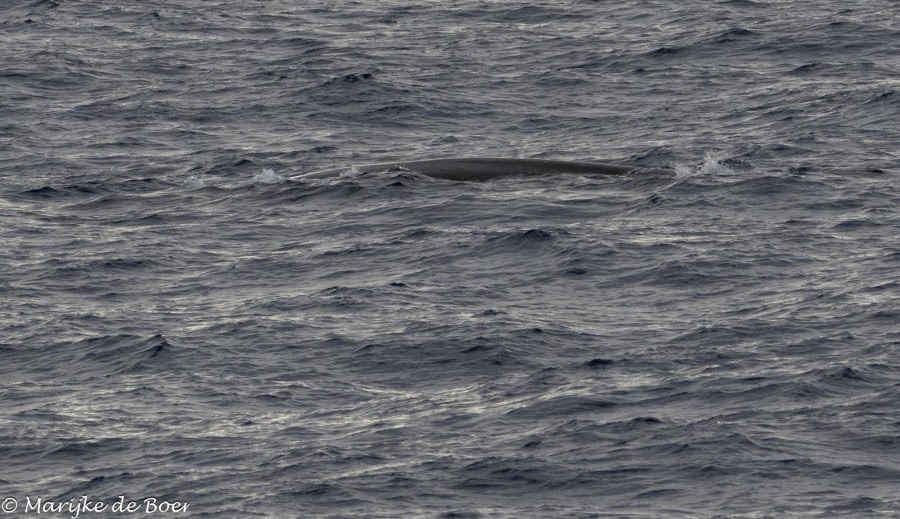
column 712, row 165
column 352, row 172
column 267, row 176
column 194, row 183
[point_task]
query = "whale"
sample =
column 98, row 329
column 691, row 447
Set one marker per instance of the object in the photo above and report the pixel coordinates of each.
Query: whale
column 480, row 169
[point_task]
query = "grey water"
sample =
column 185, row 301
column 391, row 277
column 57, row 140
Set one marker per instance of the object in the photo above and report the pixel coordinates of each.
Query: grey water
column 184, row 319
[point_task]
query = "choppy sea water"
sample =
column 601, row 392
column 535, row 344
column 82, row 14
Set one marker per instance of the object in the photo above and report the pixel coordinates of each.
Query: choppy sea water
column 184, row 319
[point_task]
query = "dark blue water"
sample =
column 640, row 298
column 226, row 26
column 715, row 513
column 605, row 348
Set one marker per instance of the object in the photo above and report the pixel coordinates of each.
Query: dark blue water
column 183, row 319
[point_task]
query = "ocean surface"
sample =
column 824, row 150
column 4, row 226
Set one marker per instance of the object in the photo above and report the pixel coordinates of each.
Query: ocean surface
column 184, row 319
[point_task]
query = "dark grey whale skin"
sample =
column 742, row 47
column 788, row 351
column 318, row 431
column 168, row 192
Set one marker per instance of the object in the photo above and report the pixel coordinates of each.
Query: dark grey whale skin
column 479, row 169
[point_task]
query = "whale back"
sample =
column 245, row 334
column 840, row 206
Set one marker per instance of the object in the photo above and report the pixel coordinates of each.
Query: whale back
column 479, row 169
